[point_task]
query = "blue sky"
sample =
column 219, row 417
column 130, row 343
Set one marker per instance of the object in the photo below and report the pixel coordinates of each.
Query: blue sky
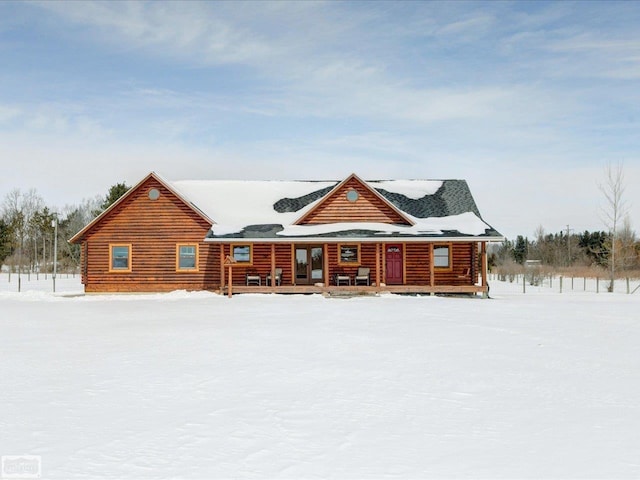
column 527, row 101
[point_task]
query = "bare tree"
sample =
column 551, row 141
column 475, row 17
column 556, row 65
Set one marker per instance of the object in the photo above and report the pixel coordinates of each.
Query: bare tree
column 613, row 212
column 13, row 217
column 18, row 211
column 75, row 217
column 626, row 249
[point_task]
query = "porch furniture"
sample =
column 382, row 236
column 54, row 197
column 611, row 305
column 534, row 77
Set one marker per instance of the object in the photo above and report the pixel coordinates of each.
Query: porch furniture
column 278, row 277
column 343, row 279
column 465, row 273
column 362, row 277
column 253, row 279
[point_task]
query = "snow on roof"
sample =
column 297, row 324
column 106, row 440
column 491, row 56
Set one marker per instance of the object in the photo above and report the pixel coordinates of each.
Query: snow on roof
column 415, row 189
column 466, row 223
column 234, row 205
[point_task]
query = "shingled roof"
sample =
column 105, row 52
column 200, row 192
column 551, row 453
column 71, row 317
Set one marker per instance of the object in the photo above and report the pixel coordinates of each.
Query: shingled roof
column 452, row 198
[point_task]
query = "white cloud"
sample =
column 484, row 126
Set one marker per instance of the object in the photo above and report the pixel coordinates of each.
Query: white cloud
column 316, row 74
column 194, row 30
column 468, row 27
column 8, row 113
column 50, row 119
column 603, row 56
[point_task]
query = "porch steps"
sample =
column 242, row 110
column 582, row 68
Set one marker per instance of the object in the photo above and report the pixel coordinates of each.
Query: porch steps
column 349, row 293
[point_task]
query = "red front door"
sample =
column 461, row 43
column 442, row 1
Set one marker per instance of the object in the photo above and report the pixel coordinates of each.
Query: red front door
column 393, row 257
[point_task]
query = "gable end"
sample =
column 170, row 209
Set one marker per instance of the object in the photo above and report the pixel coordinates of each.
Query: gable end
column 342, row 205
column 142, row 192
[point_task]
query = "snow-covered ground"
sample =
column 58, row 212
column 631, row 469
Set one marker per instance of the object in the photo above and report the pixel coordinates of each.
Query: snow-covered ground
column 195, row 385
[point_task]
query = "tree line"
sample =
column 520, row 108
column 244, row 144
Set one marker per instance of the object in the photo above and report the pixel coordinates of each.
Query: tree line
column 28, row 226
column 561, row 251
column 615, row 251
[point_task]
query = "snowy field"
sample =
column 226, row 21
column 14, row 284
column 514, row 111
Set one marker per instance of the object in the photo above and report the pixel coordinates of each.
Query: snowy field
column 197, row 386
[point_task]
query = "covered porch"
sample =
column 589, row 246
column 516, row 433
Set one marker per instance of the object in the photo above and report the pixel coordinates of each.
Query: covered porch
column 354, row 267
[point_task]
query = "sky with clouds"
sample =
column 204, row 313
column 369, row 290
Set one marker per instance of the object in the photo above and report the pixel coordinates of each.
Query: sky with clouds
column 527, row 101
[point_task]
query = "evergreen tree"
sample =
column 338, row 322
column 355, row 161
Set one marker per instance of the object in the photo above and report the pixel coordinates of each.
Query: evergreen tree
column 520, row 249
column 594, row 244
column 5, row 240
column 504, row 252
column 115, row 192
column 41, row 232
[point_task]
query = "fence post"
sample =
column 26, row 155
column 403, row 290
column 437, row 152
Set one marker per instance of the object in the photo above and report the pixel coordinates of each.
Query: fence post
column 628, row 290
column 524, row 286
column 571, row 282
column 550, row 280
column 585, row 284
column 560, row 283
column 597, row 284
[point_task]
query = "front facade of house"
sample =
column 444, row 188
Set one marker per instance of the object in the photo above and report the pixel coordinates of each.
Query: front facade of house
column 407, row 236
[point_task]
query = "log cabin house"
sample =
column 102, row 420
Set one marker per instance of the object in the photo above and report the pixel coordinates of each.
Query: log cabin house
column 404, row 236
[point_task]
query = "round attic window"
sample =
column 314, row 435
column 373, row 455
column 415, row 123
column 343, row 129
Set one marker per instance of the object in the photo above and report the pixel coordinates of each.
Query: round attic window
column 352, row 195
column 154, row 194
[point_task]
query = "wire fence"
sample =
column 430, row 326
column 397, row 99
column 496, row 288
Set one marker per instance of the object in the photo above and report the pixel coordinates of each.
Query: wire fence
column 32, row 281
column 569, row 283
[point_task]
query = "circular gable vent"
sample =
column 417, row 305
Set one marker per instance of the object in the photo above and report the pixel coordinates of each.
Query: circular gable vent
column 154, row 194
column 352, row 195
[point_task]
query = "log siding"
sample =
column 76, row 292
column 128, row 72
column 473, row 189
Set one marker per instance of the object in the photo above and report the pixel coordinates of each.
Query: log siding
column 153, row 229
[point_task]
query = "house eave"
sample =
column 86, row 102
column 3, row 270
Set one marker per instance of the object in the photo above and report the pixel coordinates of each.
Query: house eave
column 344, row 239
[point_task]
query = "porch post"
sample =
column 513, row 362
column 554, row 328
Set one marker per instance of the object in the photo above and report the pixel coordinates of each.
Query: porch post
column 222, row 279
column 378, row 265
column 432, row 280
column 325, row 261
column 229, row 261
column 483, row 255
column 293, row 264
column 404, row 264
column 384, row 261
column 273, row 266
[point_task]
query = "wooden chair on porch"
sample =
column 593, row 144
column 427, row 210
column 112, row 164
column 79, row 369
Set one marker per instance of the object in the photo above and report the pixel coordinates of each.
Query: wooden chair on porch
column 278, row 277
column 362, row 277
column 252, row 278
column 342, row 278
column 466, row 274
